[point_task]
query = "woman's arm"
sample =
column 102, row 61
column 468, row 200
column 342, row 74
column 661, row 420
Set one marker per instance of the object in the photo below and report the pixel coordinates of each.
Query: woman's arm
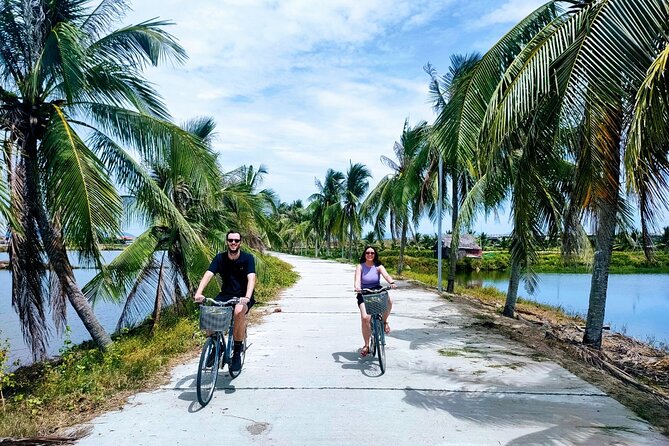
column 384, row 273
column 357, row 278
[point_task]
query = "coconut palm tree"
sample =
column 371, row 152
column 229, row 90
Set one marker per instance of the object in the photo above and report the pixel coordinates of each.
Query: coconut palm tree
column 165, row 262
column 397, row 198
column 596, row 60
column 73, row 96
column 325, row 204
column 349, row 223
column 246, row 207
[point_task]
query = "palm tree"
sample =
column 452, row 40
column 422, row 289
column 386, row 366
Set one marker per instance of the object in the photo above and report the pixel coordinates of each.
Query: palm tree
column 397, row 199
column 459, row 158
column 325, row 204
column 348, row 221
column 64, row 75
column 164, row 263
column 584, row 70
column 244, row 206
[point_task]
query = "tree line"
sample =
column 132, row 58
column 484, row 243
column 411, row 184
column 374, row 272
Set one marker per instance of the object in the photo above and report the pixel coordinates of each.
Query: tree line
column 564, row 119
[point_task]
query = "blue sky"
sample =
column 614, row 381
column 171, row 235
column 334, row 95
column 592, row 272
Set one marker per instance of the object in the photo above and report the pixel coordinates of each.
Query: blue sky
column 303, row 86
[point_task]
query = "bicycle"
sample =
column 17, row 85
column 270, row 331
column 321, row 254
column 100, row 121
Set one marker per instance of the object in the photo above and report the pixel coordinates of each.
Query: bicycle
column 376, row 303
column 216, row 317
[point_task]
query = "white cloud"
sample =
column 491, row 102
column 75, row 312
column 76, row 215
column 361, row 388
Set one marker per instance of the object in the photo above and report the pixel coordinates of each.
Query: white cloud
column 512, row 12
column 302, row 86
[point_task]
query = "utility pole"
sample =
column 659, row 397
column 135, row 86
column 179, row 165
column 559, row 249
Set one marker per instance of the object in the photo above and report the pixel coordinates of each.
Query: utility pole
column 439, row 242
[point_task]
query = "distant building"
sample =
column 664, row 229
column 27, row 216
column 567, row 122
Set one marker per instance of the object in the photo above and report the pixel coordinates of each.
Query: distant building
column 125, row 238
column 467, row 247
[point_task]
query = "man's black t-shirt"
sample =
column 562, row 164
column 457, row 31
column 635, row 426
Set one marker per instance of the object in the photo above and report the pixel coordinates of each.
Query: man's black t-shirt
column 233, row 273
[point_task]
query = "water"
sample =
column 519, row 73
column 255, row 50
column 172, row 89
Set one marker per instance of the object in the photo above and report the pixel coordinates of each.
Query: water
column 107, row 314
column 636, row 304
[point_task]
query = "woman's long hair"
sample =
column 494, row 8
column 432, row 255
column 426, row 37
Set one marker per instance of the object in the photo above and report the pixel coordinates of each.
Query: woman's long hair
column 377, row 262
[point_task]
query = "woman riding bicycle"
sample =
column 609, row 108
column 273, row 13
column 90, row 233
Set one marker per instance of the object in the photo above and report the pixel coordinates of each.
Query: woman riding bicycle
column 368, row 276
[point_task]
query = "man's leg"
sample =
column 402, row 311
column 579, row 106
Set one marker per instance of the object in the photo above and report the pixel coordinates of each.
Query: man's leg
column 238, row 336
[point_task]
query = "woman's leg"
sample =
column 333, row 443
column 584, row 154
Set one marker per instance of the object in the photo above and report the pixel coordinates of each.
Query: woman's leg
column 386, row 326
column 365, row 319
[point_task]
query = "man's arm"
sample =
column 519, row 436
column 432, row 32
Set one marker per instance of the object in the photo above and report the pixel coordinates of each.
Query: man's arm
column 199, row 297
column 250, row 286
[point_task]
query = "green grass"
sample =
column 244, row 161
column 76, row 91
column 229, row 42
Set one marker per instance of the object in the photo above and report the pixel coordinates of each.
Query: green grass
column 46, row 396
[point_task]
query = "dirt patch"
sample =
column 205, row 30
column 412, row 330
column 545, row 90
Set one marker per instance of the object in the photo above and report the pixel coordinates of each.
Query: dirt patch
column 635, row 374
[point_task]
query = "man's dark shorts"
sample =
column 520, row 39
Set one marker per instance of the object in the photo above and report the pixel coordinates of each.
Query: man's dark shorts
column 224, row 298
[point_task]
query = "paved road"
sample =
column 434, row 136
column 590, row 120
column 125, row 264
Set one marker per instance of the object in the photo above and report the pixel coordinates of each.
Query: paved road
column 304, row 384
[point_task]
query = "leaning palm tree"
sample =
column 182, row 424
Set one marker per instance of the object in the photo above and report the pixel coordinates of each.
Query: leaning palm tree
column 349, row 223
column 397, row 199
column 162, row 266
column 595, row 59
column 73, row 97
column 467, row 91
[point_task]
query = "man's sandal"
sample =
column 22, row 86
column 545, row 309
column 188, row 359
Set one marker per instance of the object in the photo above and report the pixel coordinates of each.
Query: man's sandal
column 386, row 327
column 364, row 351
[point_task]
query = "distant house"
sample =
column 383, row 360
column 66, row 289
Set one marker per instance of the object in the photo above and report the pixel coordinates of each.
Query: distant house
column 125, row 238
column 466, row 248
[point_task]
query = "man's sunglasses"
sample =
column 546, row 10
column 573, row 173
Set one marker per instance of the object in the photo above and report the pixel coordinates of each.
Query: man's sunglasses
column 234, row 240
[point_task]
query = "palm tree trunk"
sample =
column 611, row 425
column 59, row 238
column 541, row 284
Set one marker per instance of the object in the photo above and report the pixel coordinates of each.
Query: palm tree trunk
column 57, row 254
column 600, row 276
column 453, row 257
column 607, row 205
column 158, row 303
column 61, row 266
column 403, row 242
column 647, row 242
column 512, row 293
column 350, row 241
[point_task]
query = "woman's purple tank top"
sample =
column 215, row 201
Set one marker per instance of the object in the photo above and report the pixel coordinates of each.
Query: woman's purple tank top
column 370, row 277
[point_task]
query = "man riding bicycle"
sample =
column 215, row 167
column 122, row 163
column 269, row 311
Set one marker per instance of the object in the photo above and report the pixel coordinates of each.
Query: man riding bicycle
column 238, row 273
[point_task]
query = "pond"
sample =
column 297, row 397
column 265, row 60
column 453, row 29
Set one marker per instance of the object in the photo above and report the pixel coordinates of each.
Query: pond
column 636, row 304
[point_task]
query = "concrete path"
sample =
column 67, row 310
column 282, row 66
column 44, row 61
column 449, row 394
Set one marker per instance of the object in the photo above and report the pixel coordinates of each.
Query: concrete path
column 304, row 384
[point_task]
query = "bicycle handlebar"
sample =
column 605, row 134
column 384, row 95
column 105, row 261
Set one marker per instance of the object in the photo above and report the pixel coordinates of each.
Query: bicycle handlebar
column 376, row 290
column 228, row 303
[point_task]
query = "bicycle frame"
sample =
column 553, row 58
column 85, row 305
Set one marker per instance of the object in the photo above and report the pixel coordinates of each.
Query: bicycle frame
column 222, row 354
column 378, row 335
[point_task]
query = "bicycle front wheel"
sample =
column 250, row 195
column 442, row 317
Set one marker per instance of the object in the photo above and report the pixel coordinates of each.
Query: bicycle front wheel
column 242, row 353
column 377, row 339
column 207, row 372
column 381, row 347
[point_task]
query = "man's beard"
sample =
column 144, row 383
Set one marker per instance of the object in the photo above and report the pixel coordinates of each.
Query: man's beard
column 233, row 251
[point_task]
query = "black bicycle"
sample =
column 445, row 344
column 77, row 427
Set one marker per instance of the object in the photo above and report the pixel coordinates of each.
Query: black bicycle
column 376, row 304
column 216, row 317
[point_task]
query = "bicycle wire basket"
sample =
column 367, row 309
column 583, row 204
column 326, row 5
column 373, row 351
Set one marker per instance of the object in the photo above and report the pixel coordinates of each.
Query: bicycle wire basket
column 376, row 303
column 215, row 318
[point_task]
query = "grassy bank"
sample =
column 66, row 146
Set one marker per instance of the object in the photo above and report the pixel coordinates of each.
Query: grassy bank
column 44, row 397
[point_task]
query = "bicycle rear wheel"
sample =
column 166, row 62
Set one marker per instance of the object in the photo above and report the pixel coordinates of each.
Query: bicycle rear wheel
column 207, row 372
column 242, row 353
